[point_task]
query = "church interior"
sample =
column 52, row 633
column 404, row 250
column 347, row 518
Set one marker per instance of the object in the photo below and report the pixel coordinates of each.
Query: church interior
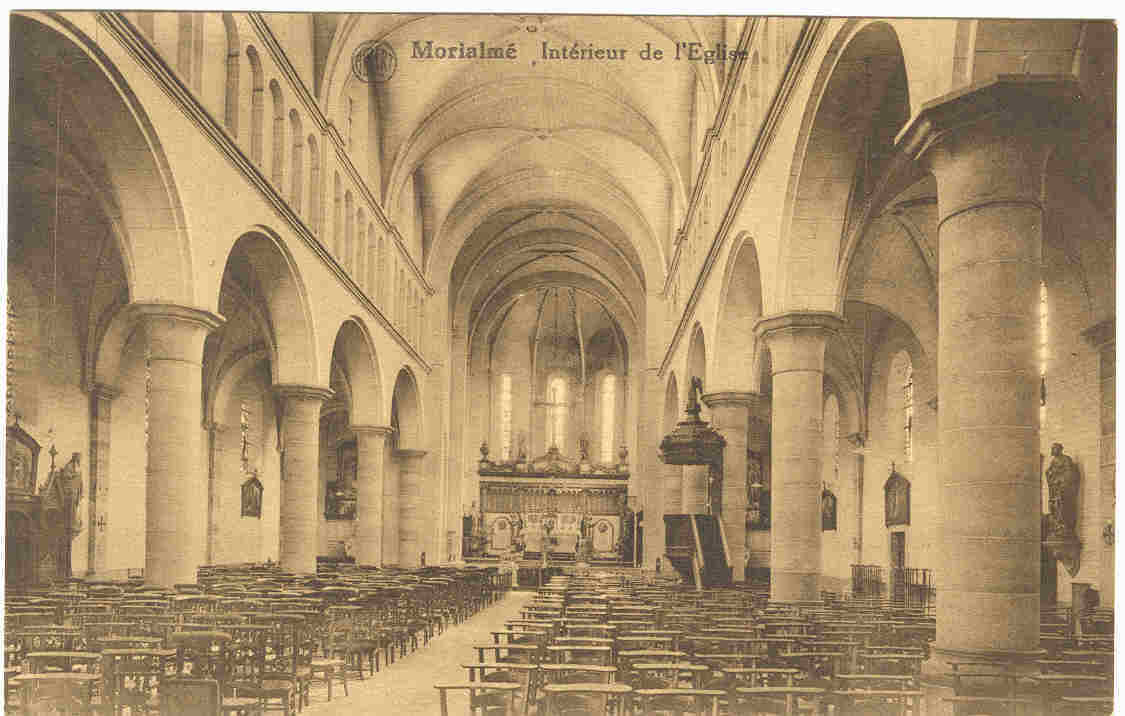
column 672, row 364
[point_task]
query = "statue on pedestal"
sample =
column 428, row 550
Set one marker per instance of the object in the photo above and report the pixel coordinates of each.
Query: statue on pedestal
column 1062, row 480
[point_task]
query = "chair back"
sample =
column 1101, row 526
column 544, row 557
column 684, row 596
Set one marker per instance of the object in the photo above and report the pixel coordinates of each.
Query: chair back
column 190, row 697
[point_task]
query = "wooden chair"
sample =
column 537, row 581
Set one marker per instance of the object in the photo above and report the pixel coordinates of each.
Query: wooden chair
column 585, row 699
column 788, row 700
column 133, row 678
column 478, row 689
column 189, row 697
column 60, row 691
column 527, row 675
column 974, row 705
column 896, row 701
column 701, row 702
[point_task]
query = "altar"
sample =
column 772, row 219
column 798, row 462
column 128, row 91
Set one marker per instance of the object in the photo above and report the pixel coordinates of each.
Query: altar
column 554, row 506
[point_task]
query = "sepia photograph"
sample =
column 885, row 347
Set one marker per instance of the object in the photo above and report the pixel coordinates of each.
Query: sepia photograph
column 559, row 364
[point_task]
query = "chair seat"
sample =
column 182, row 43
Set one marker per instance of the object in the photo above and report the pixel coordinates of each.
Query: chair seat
column 318, row 664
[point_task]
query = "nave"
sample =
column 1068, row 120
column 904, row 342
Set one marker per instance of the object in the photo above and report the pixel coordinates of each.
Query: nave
column 832, row 317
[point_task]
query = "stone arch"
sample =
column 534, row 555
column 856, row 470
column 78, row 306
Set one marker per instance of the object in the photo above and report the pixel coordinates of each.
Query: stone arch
column 354, row 351
column 275, row 283
column 406, row 411
column 124, row 155
column 740, row 302
column 859, row 102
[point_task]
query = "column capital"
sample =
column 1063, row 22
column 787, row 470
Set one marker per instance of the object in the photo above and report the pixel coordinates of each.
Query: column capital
column 1101, row 333
column 288, row 391
column 175, row 332
column 754, row 402
column 988, row 144
column 188, row 314
column 806, row 321
column 372, row 430
column 1043, row 102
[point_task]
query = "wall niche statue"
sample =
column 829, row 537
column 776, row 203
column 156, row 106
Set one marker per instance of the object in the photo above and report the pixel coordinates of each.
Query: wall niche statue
column 896, row 493
column 252, row 496
column 1063, row 481
column 827, row 511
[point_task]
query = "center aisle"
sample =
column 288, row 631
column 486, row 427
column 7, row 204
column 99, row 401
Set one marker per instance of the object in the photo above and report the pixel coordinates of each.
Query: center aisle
column 406, row 687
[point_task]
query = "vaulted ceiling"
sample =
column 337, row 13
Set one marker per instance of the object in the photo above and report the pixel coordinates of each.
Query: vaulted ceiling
column 530, row 167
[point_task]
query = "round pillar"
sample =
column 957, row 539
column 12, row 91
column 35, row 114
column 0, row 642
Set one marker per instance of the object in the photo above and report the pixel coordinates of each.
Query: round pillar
column 796, row 342
column 987, row 149
column 300, row 475
column 392, row 480
column 176, row 487
column 730, row 413
column 371, row 443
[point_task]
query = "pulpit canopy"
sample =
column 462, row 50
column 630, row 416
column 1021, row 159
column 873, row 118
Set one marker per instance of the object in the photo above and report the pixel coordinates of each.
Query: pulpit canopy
column 694, row 441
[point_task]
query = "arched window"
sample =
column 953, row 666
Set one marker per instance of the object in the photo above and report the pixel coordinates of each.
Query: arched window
column 277, row 141
column 505, row 416
column 381, row 274
column 348, row 257
column 1043, row 341
column 556, row 413
column 902, row 383
column 244, row 429
column 609, row 405
column 230, row 113
column 831, row 469
column 257, row 105
column 296, row 163
column 337, row 221
column 372, row 253
column 314, row 186
column 349, row 122
column 360, row 247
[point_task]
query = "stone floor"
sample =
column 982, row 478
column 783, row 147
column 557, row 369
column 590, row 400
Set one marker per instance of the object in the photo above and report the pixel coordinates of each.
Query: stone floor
column 406, row 687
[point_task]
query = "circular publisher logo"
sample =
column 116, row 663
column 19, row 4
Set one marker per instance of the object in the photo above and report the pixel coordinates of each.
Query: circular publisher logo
column 374, row 61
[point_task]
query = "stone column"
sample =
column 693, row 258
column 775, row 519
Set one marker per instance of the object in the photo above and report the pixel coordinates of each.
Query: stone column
column 371, row 443
column 300, row 475
column 1102, row 337
column 796, row 342
column 101, row 419
column 987, row 148
column 730, row 413
column 414, row 515
column 758, row 441
column 176, row 485
column 392, row 480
